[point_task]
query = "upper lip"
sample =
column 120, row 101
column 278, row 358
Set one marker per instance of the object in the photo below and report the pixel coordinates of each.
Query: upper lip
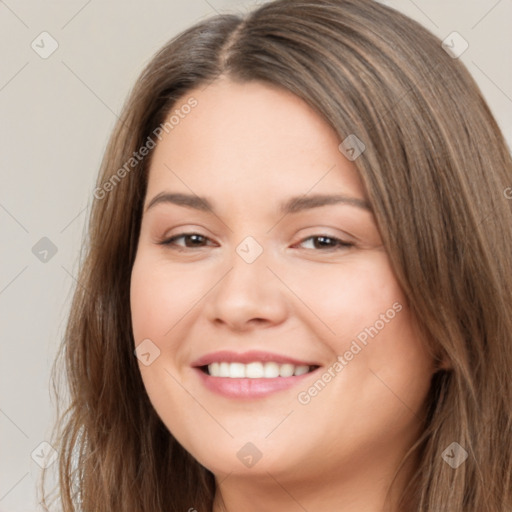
column 248, row 357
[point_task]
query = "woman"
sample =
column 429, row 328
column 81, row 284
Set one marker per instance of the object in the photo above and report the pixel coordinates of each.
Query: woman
column 297, row 290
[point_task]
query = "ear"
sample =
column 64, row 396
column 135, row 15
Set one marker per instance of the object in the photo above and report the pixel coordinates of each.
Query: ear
column 443, row 362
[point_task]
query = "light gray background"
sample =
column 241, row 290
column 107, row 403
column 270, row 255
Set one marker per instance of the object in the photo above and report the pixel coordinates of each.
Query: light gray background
column 56, row 116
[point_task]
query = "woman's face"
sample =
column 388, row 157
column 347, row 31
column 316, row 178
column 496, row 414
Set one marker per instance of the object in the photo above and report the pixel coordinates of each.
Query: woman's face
column 259, row 260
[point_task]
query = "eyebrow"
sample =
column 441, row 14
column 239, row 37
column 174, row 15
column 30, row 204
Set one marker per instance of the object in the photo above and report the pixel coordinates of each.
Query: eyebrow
column 188, row 200
column 297, row 204
column 292, row 205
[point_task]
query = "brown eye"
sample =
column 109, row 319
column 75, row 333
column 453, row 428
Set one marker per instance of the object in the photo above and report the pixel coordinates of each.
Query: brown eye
column 324, row 242
column 188, row 240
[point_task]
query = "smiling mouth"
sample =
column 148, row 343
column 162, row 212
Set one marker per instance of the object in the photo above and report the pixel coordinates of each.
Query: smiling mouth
column 255, row 370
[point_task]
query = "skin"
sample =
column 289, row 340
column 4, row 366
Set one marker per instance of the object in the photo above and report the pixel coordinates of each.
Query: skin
column 247, row 148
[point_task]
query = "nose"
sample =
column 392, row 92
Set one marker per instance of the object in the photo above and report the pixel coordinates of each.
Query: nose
column 249, row 296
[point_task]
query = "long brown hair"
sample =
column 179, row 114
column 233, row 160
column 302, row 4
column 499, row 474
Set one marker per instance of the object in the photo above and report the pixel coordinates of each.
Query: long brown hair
column 435, row 170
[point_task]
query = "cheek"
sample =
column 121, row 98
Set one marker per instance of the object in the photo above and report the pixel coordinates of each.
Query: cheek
column 384, row 371
column 161, row 298
column 366, row 321
column 386, row 367
column 161, row 295
column 350, row 296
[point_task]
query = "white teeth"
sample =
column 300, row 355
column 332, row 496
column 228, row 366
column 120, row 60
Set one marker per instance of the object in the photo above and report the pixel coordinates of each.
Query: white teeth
column 237, row 370
column 286, row 370
column 271, row 370
column 256, row 370
column 223, row 369
column 300, row 370
column 214, row 369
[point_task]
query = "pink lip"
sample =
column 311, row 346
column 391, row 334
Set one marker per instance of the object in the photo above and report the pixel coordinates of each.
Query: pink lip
column 248, row 388
column 247, row 357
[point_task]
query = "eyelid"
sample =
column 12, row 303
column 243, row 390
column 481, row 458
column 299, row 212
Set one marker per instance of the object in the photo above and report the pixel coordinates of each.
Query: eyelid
column 168, row 240
column 340, row 242
column 335, row 233
column 182, row 230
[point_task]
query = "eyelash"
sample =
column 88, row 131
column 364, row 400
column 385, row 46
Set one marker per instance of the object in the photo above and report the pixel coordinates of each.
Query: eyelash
column 339, row 244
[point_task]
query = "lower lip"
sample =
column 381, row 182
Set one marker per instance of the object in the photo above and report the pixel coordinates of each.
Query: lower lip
column 249, row 388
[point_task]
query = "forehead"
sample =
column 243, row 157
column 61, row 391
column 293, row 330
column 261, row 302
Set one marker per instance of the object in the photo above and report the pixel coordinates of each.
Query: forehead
column 249, row 137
